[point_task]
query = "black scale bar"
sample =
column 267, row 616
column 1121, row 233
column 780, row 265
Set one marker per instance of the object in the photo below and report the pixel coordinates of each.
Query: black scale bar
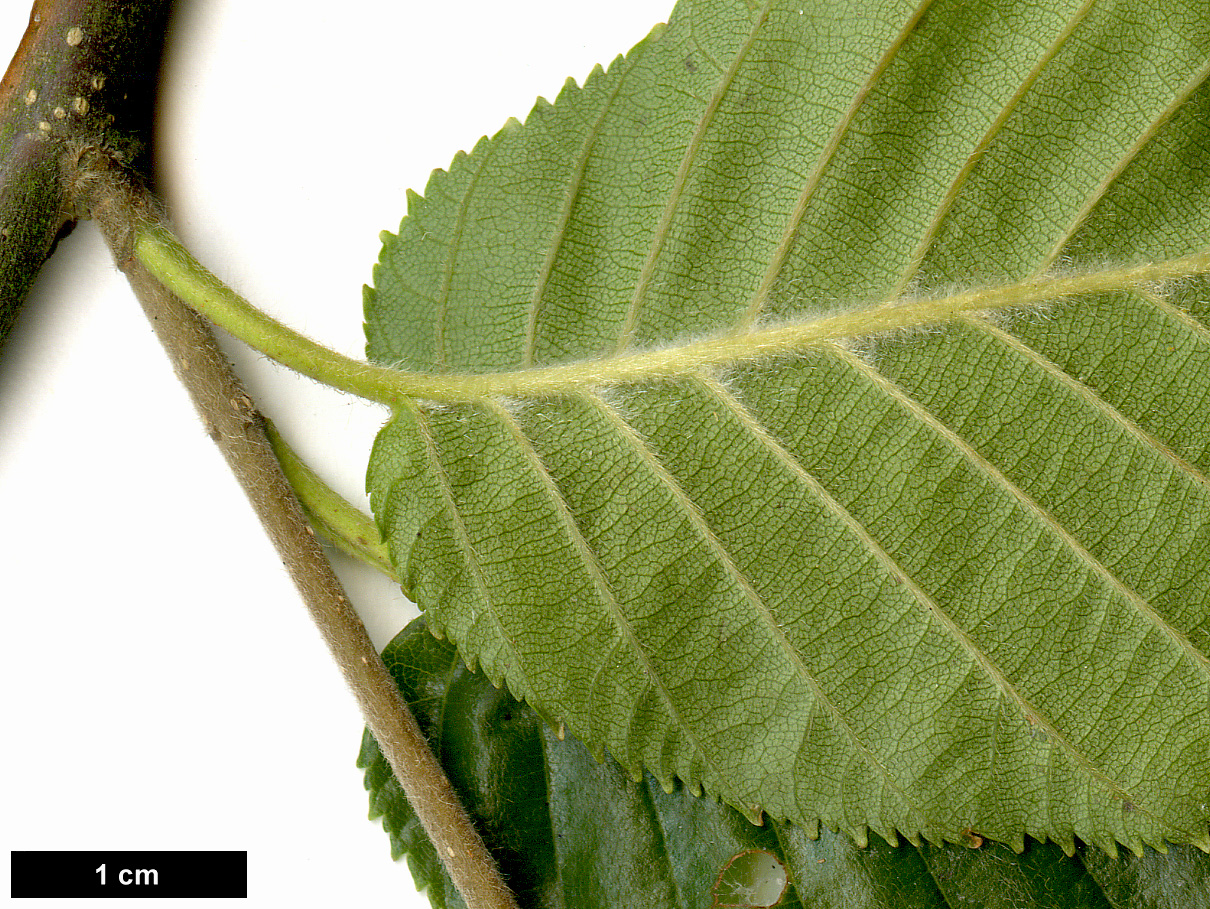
column 84, row 875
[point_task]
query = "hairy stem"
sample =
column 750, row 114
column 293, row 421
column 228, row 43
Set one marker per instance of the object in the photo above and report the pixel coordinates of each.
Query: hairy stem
column 166, row 259
column 171, row 263
column 238, row 430
column 338, row 521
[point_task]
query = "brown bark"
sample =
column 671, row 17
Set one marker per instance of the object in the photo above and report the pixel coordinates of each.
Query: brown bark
column 85, row 73
column 237, row 428
column 76, row 118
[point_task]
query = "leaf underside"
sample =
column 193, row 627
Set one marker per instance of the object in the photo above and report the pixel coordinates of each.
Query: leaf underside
column 926, row 575
column 571, row 833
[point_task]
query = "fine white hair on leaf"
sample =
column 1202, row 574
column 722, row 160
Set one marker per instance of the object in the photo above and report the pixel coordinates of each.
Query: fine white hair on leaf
column 866, row 325
column 1171, row 290
column 515, row 407
column 437, row 408
column 725, row 378
column 617, row 398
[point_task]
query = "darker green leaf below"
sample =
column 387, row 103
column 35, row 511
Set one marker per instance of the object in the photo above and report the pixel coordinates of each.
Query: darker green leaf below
column 570, row 832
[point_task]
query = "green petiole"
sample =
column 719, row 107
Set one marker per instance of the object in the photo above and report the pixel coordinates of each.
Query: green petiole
column 172, row 264
column 334, row 518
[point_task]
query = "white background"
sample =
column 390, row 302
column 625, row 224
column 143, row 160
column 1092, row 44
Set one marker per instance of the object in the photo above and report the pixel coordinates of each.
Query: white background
column 163, row 688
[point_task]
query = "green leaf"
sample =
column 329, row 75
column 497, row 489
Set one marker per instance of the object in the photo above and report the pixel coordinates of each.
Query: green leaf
column 824, row 413
column 572, row 833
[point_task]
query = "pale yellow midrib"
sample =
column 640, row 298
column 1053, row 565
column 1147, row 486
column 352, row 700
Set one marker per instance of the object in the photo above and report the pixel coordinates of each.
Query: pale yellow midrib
column 784, row 340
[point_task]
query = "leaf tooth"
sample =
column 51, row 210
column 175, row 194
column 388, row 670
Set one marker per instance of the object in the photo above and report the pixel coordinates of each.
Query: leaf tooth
column 544, row 715
column 1111, row 844
column 753, row 812
column 911, row 834
column 1135, row 844
column 860, row 835
column 436, row 176
column 1065, row 840
column 469, row 659
column 416, row 201
column 891, row 833
column 568, row 90
column 1107, row 844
